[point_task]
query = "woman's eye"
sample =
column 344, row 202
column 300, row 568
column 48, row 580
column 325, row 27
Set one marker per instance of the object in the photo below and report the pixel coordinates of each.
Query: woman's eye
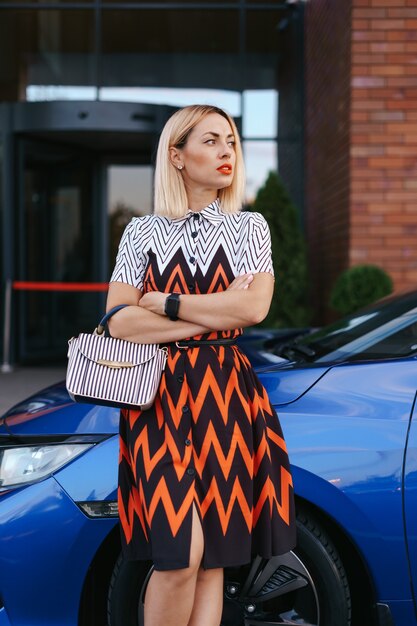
column 209, row 141
column 231, row 143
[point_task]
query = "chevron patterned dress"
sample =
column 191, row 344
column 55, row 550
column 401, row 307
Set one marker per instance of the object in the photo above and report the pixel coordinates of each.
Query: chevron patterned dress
column 211, row 439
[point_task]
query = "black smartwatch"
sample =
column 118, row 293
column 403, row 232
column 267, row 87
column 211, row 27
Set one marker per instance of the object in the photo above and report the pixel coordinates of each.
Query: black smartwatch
column 172, row 304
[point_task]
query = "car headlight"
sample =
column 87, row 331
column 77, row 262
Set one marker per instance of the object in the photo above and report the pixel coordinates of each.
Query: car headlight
column 26, row 464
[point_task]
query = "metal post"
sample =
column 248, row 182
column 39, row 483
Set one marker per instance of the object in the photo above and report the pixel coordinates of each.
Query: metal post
column 7, row 203
column 6, row 367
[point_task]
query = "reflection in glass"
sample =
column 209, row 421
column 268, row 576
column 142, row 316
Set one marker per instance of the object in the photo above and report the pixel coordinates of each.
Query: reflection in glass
column 55, row 244
column 260, row 159
column 1, row 204
column 57, row 219
column 183, row 49
column 129, row 194
column 260, row 113
column 263, row 32
column 383, row 329
column 167, row 2
column 179, row 97
column 42, row 93
column 130, row 186
column 67, row 226
column 263, row 49
column 46, row 48
column 37, row 2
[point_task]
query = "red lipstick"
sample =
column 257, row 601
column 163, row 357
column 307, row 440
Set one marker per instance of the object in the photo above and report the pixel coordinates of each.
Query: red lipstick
column 225, row 168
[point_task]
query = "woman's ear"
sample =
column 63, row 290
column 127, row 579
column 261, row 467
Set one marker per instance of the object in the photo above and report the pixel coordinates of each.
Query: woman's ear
column 175, row 157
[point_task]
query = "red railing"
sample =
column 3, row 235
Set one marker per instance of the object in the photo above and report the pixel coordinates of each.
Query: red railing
column 24, row 285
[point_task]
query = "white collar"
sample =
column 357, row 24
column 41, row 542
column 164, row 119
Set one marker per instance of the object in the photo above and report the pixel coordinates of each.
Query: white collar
column 212, row 213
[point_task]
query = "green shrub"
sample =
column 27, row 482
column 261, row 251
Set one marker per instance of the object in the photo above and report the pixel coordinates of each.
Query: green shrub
column 358, row 286
column 289, row 305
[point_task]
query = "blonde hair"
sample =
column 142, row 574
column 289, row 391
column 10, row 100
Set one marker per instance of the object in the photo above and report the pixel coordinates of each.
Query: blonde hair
column 170, row 197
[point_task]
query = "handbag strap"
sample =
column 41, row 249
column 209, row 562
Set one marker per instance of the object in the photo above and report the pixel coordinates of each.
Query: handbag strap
column 103, row 322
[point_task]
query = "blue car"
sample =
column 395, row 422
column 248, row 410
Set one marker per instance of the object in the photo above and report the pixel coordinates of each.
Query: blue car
column 346, row 397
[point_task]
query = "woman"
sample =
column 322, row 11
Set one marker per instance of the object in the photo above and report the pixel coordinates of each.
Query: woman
column 204, row 478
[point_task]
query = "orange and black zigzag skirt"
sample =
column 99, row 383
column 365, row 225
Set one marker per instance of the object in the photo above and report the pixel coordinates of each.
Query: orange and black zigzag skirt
column 211, row 440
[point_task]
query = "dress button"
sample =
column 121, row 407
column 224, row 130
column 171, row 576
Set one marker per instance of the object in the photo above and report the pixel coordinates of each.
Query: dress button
column 185, row 409
column 187, row 442
column 191, row 471
column 191, row 287
column 194, row 234
column 180, row 379
column 192, row 259
column 196, row 216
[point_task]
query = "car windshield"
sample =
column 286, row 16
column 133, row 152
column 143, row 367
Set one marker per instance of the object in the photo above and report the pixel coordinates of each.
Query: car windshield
column 385, row 329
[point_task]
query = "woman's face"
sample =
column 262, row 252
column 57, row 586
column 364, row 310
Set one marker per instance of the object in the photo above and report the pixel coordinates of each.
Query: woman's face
column 208, row 158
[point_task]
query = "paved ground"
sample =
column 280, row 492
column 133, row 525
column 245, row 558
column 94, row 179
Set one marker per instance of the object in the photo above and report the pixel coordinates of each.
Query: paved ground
column 23, row 381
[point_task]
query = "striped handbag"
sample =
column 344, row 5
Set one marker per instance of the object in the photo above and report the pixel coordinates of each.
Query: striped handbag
column 113, row 372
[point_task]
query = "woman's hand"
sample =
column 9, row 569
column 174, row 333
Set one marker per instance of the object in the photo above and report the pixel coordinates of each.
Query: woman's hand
column 154, row 301
column 241, row 282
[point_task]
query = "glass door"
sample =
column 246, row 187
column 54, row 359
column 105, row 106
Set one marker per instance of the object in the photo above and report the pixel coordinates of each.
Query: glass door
column 58, row 244
column 129, row 190
column 79, row 172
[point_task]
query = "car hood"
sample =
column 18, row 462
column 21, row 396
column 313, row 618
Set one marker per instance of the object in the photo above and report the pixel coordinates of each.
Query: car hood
column 287, row 382
column 51, row 411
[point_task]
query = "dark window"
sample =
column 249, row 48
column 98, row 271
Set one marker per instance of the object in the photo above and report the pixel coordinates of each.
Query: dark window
column 167, row 2
column 43, row 2
column 41, row 51
column 180, row 49
column 382, row 330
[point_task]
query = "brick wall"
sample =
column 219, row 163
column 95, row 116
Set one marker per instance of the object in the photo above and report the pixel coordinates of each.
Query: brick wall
column 384, row 138
column 327, row 127
column 361, row 140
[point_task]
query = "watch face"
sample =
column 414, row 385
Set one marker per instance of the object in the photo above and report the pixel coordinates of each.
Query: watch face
column 172, row 304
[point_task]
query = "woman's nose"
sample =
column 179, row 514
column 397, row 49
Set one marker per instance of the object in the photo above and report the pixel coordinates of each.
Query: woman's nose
column 225, row 152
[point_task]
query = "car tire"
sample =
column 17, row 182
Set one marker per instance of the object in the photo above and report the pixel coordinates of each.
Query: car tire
column 319, row 555
column 127, row 585
column 316, row 595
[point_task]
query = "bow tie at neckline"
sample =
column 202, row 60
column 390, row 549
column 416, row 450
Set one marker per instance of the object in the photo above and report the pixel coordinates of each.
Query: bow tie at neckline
column 212, row 212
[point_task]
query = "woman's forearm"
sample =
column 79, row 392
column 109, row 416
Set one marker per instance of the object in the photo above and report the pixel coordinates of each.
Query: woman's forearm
column 142, row 326
column 246, row 304
column 221, row 311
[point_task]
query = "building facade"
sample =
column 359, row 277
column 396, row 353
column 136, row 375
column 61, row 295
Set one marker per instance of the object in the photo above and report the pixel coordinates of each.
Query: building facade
column 324, row 91
column 85, row 88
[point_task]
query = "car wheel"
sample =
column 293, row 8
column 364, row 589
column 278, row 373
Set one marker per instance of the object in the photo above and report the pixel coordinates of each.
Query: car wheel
column 307, row 586
column 320, row 557
column 127, row 592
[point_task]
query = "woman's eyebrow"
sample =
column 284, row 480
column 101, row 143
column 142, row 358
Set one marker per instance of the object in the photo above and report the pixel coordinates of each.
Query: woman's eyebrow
column 210, row 132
